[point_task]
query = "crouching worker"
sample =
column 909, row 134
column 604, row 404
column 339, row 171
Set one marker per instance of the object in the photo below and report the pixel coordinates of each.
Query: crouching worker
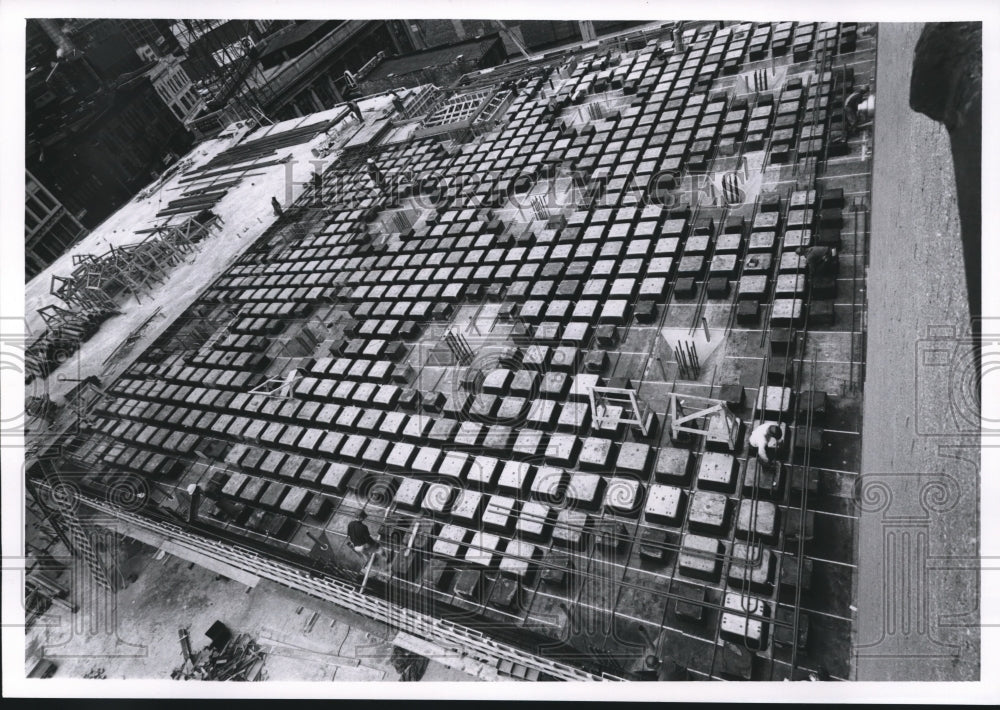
column 360, row 538
column 820, row 261
column 766, row 439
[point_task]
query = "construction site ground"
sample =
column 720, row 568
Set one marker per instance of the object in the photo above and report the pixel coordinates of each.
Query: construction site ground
column 134, row 634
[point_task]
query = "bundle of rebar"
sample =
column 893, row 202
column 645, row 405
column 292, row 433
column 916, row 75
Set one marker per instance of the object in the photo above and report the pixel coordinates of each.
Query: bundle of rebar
column 540, row 209
column 688, row 364
column 459, row 347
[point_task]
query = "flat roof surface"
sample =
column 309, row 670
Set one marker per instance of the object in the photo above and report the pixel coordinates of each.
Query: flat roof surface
column 472, row 49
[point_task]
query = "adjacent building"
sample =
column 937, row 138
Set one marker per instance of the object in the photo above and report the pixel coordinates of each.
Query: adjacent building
column 298, row 68
column 174, row 86
column 440, row 66
column 151, row 36
column 534, row 35
column 100, row 121
column 49, row 228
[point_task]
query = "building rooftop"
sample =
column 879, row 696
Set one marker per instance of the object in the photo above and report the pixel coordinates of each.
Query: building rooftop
column 294, row 39
column 471, row 50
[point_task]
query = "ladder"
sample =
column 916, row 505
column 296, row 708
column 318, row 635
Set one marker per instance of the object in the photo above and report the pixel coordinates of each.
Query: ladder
column 84, row 547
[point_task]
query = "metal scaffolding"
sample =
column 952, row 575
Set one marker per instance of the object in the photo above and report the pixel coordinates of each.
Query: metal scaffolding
column 98, row 284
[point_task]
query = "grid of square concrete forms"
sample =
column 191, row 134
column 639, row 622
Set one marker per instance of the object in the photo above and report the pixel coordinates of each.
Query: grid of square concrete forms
column 518, row 485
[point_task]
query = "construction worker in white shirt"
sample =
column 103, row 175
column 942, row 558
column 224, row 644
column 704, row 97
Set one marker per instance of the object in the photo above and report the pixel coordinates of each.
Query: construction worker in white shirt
column 766, row 438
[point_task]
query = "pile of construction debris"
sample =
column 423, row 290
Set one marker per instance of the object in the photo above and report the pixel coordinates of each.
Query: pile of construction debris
column 60, row 340
column 239, row 658
column 410, row 666
column 99, row 283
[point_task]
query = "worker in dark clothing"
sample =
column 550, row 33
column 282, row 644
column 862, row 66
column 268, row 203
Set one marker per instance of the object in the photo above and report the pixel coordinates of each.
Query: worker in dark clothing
column 820, row 261
column 276, row 206
column 374, row 172
column 398, row 104
column 360, row 539
column 356, row 110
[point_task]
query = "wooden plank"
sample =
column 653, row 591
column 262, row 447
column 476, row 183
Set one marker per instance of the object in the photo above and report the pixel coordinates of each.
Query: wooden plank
column 236, row 169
